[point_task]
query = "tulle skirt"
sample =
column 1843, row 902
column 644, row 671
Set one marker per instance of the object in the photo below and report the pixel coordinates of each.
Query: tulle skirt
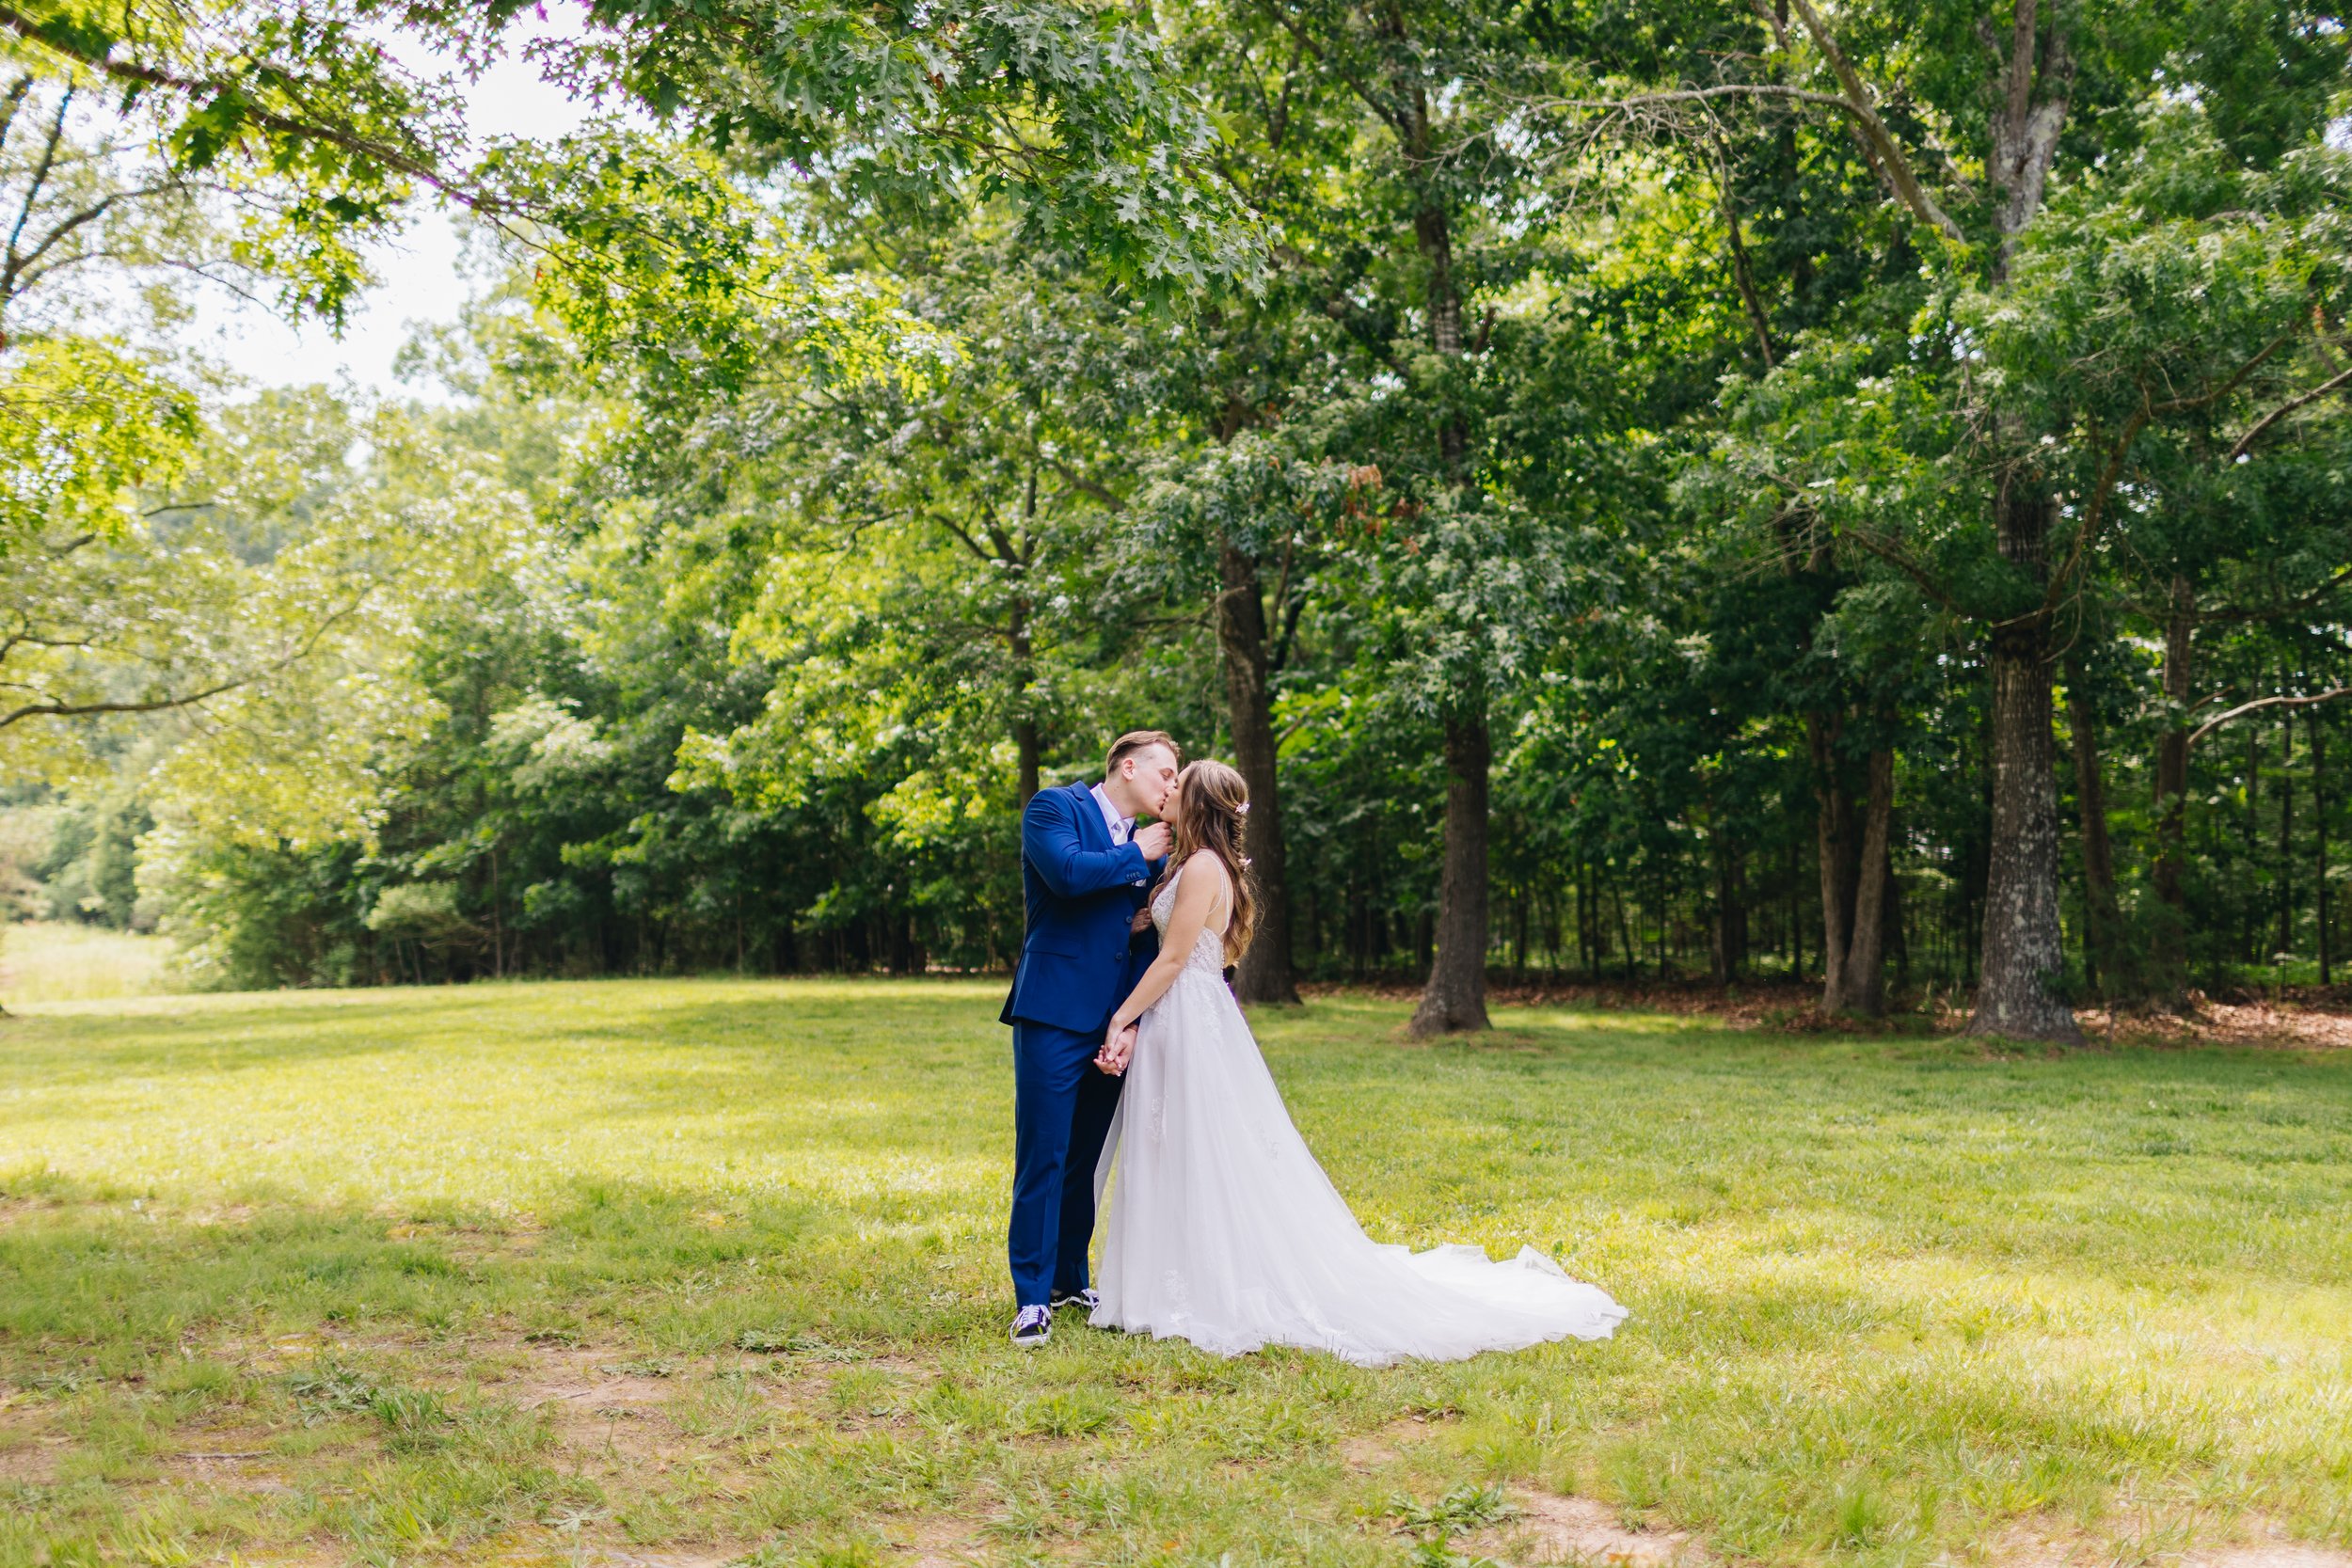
column 1223, row 1229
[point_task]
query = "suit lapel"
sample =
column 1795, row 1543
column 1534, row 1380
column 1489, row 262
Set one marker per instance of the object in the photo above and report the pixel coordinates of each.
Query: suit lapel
column 1090, row 823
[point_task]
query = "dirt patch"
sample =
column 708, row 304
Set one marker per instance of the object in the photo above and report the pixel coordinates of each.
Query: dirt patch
column 1553, row 1529
column 940, row 1543
column 29, row 1461
column 2272, row 1554
column 16, row 1208
column 228, row 1465
column 470, row 1244
column 29, row 1450
column 1384, row 1445
column 2321, row 1021
column 596, row 1400
column 2047, row 1544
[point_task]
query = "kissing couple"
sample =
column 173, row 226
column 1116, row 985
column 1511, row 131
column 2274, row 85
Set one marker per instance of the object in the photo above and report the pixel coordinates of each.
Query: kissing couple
column 1133, row 1068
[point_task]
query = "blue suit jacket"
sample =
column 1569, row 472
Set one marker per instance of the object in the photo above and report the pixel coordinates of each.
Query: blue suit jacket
column 1078, row 959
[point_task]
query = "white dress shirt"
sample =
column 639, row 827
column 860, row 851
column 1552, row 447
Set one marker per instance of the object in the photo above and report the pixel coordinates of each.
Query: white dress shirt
column 1123, row 828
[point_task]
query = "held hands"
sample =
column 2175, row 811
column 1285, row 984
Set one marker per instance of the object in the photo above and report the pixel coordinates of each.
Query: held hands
column 1154, row 841
column 1117, row 1051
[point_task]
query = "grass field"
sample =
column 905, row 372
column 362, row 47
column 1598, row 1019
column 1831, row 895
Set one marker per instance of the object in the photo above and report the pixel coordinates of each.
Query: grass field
column 686, row 1272
column 56, row 961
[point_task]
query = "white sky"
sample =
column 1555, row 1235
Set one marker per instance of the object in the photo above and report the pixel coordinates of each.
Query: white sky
column 420, row 278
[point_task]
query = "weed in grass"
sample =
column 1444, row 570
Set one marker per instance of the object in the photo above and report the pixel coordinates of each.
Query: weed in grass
column 1459, row 1511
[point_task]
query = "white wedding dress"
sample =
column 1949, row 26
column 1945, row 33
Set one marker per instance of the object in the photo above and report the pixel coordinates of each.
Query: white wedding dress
column 1225, row 1232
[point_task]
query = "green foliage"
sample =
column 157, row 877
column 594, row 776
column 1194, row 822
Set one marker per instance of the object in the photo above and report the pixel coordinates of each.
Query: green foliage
column 84, row 424
column 1465, row 1508
column 829, row 471
column 1074, row 114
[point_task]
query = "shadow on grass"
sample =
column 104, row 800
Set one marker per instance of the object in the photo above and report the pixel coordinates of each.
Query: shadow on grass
column 111, row 1284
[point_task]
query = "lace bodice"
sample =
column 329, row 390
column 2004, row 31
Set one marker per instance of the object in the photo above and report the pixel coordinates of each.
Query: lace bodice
column 1208, row 953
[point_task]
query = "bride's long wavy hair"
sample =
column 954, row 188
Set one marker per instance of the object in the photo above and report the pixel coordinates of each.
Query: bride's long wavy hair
column 1211, row 808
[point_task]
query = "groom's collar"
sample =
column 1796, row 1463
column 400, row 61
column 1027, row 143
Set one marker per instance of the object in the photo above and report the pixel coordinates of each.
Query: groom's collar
column 1114, row 821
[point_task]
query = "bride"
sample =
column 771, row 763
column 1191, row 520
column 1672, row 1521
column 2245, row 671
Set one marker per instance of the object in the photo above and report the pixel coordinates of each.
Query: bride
column 1223, row 1228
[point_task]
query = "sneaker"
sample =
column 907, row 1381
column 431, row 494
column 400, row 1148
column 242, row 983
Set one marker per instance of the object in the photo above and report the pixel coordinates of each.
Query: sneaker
column 1086, row 1301
column 1032, row 1326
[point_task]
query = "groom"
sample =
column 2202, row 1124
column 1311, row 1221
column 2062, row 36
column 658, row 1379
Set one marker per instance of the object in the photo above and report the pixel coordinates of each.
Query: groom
column 1084, row 872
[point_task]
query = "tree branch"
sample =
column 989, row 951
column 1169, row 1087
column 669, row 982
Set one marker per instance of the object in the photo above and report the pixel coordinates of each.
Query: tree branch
column 2094, row 510
column 409, row 162
column 2243, row 708
column 1899, row 168
column 2285, row 408
column 78, row 710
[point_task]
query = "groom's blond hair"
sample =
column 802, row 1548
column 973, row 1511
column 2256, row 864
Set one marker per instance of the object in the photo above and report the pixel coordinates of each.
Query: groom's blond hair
column 1137, row 740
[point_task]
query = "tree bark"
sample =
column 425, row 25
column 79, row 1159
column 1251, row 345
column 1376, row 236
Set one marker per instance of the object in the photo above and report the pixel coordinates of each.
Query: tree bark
column 1455, row 996
column 1729, row 947
column 1625, row 932
column 1025, row 740
column 2251, row 839
column 2284, row 946
column 1265, row 974
column 2319, row 832
column 2024, row 954
column 1025, row 744
column 1833, row 833
column 1866, row 955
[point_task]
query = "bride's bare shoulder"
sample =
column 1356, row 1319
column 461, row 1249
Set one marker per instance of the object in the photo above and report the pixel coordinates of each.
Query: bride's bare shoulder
column 1211, row 868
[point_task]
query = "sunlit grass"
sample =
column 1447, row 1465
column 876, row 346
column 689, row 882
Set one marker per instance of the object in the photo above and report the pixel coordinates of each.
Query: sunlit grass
column 1892, row 1299
column 56, row 960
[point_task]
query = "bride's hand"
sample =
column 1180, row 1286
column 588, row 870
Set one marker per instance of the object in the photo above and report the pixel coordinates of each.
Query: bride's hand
column 1141, row 922
column 1116, row 1051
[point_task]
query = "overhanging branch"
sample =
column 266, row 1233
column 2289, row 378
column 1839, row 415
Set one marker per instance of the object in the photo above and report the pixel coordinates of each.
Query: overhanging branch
column 2243, row 708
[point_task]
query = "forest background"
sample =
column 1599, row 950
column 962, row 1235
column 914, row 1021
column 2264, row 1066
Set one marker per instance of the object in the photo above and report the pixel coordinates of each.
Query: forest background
column 1860, row 493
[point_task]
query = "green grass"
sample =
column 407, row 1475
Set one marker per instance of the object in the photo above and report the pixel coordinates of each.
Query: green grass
column 534, row 1272
column 56, row 960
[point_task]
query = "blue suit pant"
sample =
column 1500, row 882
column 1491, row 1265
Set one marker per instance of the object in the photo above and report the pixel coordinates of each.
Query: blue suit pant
column 1062, row 1105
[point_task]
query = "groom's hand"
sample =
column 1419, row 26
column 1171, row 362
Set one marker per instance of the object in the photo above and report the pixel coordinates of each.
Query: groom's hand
column 1154, row 841
column 1116, row 1051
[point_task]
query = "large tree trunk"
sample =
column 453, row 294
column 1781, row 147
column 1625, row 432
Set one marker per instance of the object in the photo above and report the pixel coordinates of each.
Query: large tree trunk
column 2171, row 950
column 1455, row 996
column 1026, row 746
column 1264, row 974
column 2103, row 960
column 2025, row 956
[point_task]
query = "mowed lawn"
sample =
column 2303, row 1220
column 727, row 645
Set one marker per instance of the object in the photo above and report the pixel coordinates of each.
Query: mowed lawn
column 684, row 1272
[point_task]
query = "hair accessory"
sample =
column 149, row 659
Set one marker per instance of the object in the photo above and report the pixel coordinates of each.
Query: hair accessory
column 1242, row 810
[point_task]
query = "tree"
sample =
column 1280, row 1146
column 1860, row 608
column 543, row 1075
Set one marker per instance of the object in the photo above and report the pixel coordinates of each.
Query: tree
column 2057, row 75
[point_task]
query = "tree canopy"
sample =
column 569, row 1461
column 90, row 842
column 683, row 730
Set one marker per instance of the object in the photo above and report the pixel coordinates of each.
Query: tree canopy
column 1850, row 493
